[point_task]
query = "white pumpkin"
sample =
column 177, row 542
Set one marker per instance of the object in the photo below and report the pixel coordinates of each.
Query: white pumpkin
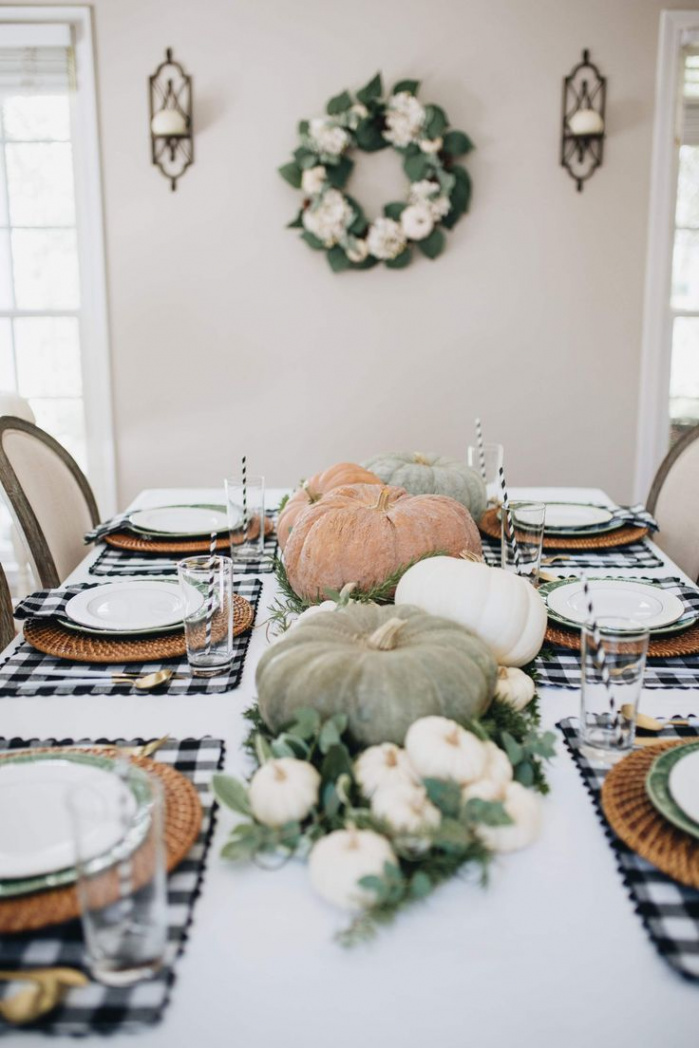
column 339, row 861
column 498, row 768
column 283, row 790
column 501, row 608
column 440, row 748
column 484, row 790
column 514, row 687
column 524, row 808
column 406, row 808
column 382, row 766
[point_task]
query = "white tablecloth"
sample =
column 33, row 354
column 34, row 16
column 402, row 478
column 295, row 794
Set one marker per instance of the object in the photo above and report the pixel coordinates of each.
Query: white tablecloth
column 550, row 955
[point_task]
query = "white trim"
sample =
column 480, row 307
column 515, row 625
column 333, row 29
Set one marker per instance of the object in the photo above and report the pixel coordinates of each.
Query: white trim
column 654, row 394
column 94, row 334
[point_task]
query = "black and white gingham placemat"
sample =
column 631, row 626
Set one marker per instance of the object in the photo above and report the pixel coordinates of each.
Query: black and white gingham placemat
column 101, row 1009
column 669, row 911
column 636, row 555
column 560, row 667
column 25, row 664
column 113, row 561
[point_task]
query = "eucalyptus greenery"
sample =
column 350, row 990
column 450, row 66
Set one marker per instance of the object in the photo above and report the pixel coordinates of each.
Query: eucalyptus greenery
column 326, row 744
column 332, row 221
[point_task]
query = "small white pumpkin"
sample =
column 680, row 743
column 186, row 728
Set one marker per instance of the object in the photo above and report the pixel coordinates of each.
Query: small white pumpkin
column 498, row 768
column 339, row 861
column 327, row 605
column 484, row 790
column 440, row 748
column 524, row 808
column 406, row 808
column 381, row 766
column 501, row 608
column 514, row 687
column 283, row 790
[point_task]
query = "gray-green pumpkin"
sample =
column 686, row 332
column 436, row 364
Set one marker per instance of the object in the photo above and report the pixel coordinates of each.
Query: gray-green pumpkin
column 423, row 473
column 385, row 667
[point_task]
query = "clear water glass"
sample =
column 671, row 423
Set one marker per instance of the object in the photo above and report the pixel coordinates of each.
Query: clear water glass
column 207, row 587
column 608, row 717
column 123, row 904
column 246, row 517
column 528, row 523
column 494, row 459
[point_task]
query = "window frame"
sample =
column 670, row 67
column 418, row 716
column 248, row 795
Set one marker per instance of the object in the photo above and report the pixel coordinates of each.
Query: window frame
column 93, row 310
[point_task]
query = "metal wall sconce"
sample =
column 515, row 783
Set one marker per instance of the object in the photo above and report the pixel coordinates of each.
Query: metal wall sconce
column 171, row 131
column 582, row 132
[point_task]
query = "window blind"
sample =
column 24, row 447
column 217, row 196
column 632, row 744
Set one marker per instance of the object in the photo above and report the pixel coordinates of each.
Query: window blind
column 36, row 59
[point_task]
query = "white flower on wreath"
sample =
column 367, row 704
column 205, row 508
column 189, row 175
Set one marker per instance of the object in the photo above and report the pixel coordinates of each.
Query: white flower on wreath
column 357, row 250
column 431, row 145
column 328, row 218
column 404, row 119
column 354, row 115
column 429, row 193
column 313, row 180
column 417, row 221
column 386, row 239
column 327, row 137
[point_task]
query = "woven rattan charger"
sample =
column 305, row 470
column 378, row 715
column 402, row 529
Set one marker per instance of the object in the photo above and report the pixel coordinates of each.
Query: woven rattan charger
column 128, row 540
column 640, row 826
column 666, row 646
column 50, row 637
column 490, row 525
column 181, row 829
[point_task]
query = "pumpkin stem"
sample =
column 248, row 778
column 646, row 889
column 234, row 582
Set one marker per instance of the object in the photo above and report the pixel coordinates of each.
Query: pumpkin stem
column 391, row 759
column 345, row 593
column 312, row 495
column 420, row 459
column 453, row 737
column 384, row 638
column 503, row 673
column 279, row 773
column 466, row 554
column 384, row 496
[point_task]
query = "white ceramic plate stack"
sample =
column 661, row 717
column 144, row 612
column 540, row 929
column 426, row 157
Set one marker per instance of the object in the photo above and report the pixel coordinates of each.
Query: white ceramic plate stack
column 650, row 605
column 579, row 520
column 179, row 522
column 133, row 606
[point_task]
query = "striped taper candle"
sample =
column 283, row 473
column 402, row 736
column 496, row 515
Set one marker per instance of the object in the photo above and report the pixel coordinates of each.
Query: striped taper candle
column 510, row 527
column 211, row 588
column 481, row 449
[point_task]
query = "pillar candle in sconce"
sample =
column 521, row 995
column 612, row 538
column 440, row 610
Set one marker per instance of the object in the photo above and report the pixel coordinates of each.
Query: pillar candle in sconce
column 171, row 127
column 586, row 122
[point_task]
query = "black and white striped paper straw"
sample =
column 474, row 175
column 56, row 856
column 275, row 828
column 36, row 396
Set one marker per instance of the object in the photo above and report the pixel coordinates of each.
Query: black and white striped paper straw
column 244, row 470
column 599, row 655
column 210, row 591
column 481, row 449
column 510, row 523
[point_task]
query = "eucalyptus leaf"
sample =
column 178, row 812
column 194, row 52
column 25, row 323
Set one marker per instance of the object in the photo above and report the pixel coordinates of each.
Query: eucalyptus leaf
column 231, row 793
column 329, row 734
column 400, row 261
column 338, row 175
column 337, row 259
column 336, row 763
column 490, row 813
column 444, row 795
column 411, row 87
column 420, row 885
column 306, row 723
column 303, row 127
column 297, row 223
column 281, row 748
column 512, row 748
column 313, row 241
column 432, row 245
column 237, row 850
column 456, row 143
column 417, row 167
column 435, row 121
column 524, row 773
column 368, row 136
column 372, row 90
column 452, row 837
column 292, row 173
column 339, row 104
column 394, row 210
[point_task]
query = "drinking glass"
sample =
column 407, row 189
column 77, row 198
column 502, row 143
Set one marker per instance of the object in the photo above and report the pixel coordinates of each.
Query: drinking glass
column 246, row 517
column 528, row 522
column 608, row 716
column 207, row 587
column 123, row 903
column 494, row 457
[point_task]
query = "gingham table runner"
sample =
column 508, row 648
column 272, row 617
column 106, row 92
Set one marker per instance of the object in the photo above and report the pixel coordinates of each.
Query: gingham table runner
column 25, row 664
column 101, row 1009
column 669, row 911
column 636, row 555
column 122, row 562
column 560, row 667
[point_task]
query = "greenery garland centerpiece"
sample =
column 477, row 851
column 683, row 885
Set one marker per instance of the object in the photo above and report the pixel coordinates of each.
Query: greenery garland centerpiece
column 439, row 192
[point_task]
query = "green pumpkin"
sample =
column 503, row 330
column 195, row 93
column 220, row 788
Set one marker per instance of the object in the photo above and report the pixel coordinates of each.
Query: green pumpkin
column 385, row 667
column 427, row 474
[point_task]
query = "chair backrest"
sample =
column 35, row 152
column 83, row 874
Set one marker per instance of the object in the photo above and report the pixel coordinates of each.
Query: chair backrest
column 12, row 404
column 49, row 496
column 7, row 626
column 674, row 502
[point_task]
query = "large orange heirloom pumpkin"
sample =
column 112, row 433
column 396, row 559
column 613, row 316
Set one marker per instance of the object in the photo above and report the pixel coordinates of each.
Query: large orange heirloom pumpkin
column 313, row 490
column 364, row 534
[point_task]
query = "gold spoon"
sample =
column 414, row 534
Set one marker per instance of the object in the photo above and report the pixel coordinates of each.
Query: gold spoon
column 649, row 723
column 146, row 682
column 47, row 987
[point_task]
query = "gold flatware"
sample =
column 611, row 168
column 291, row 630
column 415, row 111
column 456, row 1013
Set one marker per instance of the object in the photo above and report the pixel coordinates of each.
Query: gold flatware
column 149, row 748
column 552, row 560
column 649, row 723
column 147, row 681
column 46, row 989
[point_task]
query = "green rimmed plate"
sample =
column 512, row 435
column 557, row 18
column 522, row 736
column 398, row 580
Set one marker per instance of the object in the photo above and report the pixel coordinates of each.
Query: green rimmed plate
column 688, row 618
column 36, row 848
column 659, row 792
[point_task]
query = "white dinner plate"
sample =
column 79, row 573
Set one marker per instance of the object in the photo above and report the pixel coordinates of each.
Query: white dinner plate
column 180, row 521
column 573, row 515
column 683, row 784
column 36, row 835
column 129, row 606
column 616, row 598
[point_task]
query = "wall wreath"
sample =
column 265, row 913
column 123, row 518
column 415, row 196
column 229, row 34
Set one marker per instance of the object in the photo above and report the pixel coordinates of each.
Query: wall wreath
column 439, row 192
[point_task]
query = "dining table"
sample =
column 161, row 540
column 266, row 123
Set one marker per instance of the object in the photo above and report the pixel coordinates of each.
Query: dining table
column 549, row 952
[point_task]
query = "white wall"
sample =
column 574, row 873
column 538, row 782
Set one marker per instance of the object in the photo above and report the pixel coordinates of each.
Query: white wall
column 229, row 335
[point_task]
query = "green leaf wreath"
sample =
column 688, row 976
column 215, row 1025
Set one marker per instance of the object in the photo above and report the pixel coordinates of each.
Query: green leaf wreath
column 439, row 193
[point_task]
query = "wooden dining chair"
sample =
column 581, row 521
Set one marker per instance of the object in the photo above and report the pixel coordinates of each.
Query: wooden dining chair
column 674, row 502
column 7, row 625
column 49, row 497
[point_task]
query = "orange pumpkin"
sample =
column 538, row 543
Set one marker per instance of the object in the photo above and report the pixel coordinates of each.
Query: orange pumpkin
column 361, row 534
column 313, row 490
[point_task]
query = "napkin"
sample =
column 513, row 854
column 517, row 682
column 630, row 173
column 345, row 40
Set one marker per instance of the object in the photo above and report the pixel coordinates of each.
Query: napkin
column 47, row 603
column 636, row 516
column 107, row 527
